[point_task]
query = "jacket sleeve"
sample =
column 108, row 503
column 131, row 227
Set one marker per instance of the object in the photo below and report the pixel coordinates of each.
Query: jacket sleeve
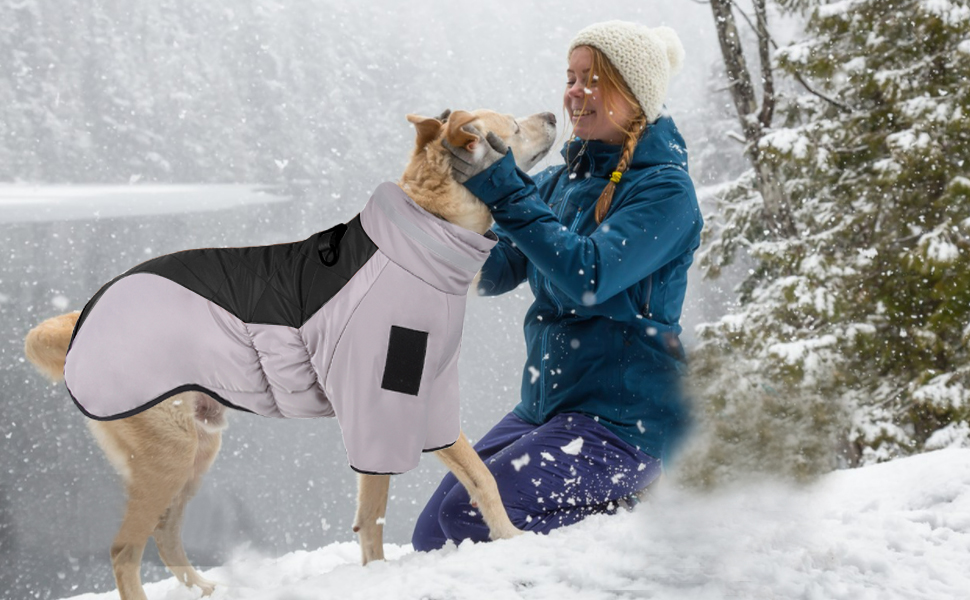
column 651, row 227
column 505, row 268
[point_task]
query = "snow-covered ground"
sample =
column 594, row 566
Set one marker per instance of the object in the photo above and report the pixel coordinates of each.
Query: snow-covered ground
column 895, row 530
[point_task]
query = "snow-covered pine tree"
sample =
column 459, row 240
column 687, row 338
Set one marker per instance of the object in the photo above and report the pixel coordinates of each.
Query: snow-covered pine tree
column 849, row 343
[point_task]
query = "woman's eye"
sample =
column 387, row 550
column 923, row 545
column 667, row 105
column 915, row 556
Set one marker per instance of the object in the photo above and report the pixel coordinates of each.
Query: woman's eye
column 570, row 83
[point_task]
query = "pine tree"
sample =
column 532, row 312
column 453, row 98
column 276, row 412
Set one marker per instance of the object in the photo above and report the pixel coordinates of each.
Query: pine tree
column 850, row 342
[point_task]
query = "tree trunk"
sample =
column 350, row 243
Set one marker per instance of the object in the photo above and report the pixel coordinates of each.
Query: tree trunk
column 753, row 120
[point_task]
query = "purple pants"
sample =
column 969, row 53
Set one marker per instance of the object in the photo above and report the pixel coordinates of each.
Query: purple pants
column 547, row 479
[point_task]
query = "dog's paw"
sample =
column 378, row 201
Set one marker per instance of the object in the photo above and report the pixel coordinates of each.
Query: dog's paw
column 207, row 587
column 504, row 532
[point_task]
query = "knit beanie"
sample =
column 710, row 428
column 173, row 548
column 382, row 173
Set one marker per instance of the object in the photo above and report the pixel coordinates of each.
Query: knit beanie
column 645, row 57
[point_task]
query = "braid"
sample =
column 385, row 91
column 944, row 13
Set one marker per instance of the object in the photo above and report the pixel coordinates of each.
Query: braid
column 634, row 131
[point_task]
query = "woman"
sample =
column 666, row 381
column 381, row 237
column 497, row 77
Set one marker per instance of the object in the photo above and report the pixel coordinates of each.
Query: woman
column 605, row 242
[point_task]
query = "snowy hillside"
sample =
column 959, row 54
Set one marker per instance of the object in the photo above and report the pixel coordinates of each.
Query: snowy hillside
column 895, row 530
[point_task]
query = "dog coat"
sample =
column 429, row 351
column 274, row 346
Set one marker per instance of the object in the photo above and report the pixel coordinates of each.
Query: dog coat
column 362, row 322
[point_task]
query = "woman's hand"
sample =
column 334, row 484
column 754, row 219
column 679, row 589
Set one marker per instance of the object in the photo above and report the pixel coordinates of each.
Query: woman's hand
column 465, row 164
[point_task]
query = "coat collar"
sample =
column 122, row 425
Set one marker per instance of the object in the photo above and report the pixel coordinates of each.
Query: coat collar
column 443, row 255
column 662, row 144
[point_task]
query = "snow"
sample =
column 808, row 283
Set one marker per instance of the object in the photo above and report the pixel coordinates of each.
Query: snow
column 943, row 390
column 793, row 352
column 856, row 65
column 39, row 203
column 893, row 530
column 841, row 9
column 60, row 302
column 930, row 109
column 951, row 14
column 796, row 53
column 905, row 141
column 518, row 463
column 888, row 166
column 574, row 447
column 954, row 435
column 941, row 251
column 787, row 141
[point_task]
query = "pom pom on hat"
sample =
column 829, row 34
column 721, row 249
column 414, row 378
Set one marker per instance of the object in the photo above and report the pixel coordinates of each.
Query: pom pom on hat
column 645, row 57
column 675, row 50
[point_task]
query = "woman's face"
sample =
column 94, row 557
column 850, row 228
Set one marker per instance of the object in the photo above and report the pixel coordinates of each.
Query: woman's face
column 585, row 105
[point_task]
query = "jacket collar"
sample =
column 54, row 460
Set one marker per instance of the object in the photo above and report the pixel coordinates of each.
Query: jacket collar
column 443, row 255
column 662, row 144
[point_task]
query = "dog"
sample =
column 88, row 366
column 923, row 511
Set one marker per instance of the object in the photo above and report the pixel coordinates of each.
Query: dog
column 162, row 437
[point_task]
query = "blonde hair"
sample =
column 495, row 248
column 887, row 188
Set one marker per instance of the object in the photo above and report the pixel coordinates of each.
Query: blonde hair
column 615, row 90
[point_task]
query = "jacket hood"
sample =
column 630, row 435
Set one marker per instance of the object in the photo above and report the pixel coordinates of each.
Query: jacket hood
column 662, row 144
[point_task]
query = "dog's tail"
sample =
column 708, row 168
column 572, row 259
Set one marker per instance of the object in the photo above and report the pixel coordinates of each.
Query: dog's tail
column 46, row 345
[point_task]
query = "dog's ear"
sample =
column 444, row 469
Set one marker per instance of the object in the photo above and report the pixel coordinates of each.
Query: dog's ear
column 428, row 129
column 455, row 133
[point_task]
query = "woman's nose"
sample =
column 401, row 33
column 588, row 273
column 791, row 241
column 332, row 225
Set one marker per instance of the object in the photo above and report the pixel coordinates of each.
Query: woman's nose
column 576, row 90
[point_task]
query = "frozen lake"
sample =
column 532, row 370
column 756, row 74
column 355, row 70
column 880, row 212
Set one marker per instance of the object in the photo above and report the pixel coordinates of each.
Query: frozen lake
column 55, row 203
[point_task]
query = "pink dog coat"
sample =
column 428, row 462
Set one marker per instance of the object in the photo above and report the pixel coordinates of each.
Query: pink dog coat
column 362, row 322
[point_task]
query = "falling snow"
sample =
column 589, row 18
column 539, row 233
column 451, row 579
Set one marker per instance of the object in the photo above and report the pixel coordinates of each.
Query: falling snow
column 84, row 199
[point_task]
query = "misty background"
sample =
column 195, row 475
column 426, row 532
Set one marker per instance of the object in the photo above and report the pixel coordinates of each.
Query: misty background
column 295, row 112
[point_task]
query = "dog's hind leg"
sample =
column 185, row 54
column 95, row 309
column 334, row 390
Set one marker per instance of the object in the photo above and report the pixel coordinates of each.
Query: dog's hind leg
column 168, row 533
column 464, row 462
column 369, row 523
column 159, row 448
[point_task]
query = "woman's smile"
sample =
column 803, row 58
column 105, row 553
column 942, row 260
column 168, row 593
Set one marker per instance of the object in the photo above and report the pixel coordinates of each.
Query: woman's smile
column 584, row 102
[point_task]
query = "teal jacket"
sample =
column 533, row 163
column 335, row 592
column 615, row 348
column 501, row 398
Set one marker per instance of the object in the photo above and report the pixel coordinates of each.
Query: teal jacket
column 603, row 332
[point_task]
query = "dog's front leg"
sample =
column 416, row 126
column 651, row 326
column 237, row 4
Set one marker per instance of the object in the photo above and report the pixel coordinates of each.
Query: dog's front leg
column 464, row 462
column 371, row 506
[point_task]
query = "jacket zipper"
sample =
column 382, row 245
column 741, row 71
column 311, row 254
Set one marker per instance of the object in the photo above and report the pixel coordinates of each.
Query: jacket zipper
column 559, row 308
column 546, row 283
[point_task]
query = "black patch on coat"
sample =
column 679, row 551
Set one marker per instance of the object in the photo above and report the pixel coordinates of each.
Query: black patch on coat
column 283, row 284
column 405, row 360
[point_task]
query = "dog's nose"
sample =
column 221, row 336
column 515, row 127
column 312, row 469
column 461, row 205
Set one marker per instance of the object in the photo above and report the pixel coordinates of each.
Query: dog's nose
column 549, row 118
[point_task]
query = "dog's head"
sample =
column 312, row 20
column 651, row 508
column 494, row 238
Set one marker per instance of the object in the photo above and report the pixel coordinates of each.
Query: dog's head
column 530, row 138
column 428, row 178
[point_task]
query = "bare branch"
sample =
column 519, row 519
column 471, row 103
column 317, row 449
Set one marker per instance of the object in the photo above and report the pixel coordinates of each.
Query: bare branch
column 744, row 15
column 841, row 105
column 764, row 34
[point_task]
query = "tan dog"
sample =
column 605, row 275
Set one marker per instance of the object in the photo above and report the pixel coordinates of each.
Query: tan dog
column 163, row 452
